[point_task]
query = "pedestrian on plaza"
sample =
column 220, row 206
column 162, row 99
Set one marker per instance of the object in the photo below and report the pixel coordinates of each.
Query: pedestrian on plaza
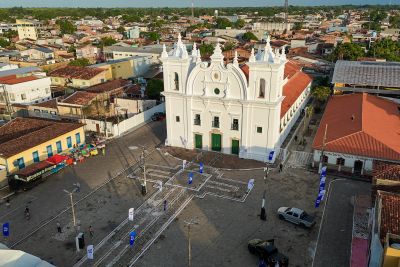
column 91, row 231
column 8, row 203
column 280, row 167
column 295, row 138
column 58, row 227
column 78, row 187
column 262, row 263
column 103, row 150
column 165, row 205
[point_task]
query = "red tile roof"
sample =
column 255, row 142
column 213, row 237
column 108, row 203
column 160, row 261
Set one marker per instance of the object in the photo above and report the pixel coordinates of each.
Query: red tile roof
column 80, row 98
column 75, row 72
column 108, row 86
column 386, row 170
column 21, row 134
column 52, row 103
column 369, row 126
column 390, row 214
column 12, row 79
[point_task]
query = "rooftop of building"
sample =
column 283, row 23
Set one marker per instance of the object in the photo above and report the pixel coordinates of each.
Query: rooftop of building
column 52, row 103
column 389, row 214
column 369, row 127
column 79, row 98
column 21, row 134
column 23, row 70
column 108, row 86
column 75, row 72
column 13, row 79
column 367, row 73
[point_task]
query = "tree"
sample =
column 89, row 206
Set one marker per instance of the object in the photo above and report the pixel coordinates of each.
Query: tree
column 153, row 36
column 321, row 93
column 10, row 34
column 206, row 50
column 247, row 36
column 80, row 62
column 385, row 48
column 347, row 51
column 107, row 41
column 297, row 26
column 71, row 49
column 239, row 24
column 66, row 27
column 154, row 88
column 223, row 23
column 121, row 30
column 4, row 42
column 228, row 46
column 394, row 21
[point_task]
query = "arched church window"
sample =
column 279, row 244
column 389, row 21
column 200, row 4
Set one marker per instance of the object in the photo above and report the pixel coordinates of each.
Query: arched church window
column 176, row 81
column 261, row 92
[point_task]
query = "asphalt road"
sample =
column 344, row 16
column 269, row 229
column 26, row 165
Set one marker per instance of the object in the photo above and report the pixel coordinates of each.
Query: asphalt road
column 334, row 243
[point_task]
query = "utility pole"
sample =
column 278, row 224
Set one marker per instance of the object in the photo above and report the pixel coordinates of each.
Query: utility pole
column 72, row 205
column 323, row 148
column 189, row 223
column 144, row 188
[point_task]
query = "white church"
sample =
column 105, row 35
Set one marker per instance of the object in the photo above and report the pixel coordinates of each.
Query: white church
column 244, row 110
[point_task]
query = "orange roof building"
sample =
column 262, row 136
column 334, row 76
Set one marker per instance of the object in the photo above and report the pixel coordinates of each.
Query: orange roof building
column 360, row 128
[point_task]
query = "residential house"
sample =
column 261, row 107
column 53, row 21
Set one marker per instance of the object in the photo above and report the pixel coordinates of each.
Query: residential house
column 150, row 51
column 77, row 77
column 73, row 106
column 125, row 68
column 369, row 127
column 88, row 51
column 28, row 29
column 24, row 90
column 24, row 141
column 43, row 54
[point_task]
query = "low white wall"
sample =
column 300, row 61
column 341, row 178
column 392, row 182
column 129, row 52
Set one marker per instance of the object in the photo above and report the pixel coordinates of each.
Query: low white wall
column 136, row 120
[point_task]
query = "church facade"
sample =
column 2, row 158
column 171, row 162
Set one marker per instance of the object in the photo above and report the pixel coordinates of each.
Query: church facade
column 228, row 108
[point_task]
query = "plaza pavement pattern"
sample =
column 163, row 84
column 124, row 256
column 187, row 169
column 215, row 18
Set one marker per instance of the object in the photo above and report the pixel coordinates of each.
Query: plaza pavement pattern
column 150, row 219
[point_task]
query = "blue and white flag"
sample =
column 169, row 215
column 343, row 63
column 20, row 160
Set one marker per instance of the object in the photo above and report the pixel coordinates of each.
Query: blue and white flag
column 90, row 252
column 271, row 155
column 201, row 167
column 190, row 177
column 6, row 229
column 132, row 237
column 323, row 171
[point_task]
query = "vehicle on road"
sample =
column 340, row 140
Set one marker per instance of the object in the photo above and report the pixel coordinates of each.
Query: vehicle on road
column 266, row 250
column 296, row 216
column 158, row 116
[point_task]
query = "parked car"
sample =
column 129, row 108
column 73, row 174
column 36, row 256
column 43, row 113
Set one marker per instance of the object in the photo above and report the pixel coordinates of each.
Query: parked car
column 158, row 116
column 296, row 216
column 266, row 250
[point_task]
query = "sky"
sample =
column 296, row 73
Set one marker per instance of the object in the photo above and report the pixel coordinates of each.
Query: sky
column 179, row 3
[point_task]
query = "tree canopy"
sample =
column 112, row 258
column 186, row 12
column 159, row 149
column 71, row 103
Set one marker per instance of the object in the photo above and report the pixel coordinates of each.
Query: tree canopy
column 385, row 48
column 66, row 27
column 247, row 36
column 80, row 62
column 4, row 42
column 107, row 41
column 223, row 23
column 152, row 36
column 321, row 93
column 347, row 51
column 206, row 50
column 154, row 88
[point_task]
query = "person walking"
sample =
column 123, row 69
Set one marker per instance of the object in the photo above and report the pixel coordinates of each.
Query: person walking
column 8, row 203
column 280, row 167
column 165, row 205
column 91, row 233
column 58, row 227
column 78, row 187
column 103, row 151
column 27, row 213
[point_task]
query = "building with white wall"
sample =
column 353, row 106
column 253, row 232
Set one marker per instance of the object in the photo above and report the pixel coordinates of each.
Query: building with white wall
column 28, row 29
column 356, row 130
column 24, row 90
column 246, row 110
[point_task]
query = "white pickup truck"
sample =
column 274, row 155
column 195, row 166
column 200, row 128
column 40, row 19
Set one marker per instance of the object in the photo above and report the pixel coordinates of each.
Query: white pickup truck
column 296, row 216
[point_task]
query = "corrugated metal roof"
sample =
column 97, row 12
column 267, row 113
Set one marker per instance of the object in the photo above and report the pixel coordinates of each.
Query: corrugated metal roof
column 19, row 71
column 367, row 73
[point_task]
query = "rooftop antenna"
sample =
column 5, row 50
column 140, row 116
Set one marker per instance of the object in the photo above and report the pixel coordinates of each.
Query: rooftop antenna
column 286, row 13
column 192, row 9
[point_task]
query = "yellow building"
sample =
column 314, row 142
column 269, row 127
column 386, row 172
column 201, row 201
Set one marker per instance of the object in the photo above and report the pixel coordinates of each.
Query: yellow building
column 27, row 29
column 24, row 141
column 77, row 77
column 125, row 68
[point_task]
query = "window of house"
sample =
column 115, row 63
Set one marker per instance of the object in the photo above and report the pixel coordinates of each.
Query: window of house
column 59, row 146
column 197, row 120
column 35, row 156
column 259, row 129
column 177, row 118
column 78, row 138
column 12, row 96
column 176, row 81
column 49, row 150
column 23, row 96
column 340, row 161
column 261, row 92
column 47, row 90
column 21, row 163
column 69, row 142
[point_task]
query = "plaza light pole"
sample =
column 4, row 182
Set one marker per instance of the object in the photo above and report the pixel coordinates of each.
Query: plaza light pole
column 189, row 223
column 72, row 205
column 144, row 188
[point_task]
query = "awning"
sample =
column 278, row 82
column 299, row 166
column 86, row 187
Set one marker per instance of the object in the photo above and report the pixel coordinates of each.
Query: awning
column 33, row 171
column 57, row 159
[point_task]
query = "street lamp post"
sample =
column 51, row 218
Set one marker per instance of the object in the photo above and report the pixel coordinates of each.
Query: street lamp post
column 72, row 205
column 189, row 223
column 144, row 187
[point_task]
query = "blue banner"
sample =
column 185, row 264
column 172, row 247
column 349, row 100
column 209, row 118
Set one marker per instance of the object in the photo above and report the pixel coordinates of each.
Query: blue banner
column 271, row 155
column 132, row 237
column 6, row 229
column 201, row 167
column 321, row 189
column 190, row 177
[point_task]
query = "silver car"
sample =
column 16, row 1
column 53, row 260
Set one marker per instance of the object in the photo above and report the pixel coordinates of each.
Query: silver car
column 296, row 216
